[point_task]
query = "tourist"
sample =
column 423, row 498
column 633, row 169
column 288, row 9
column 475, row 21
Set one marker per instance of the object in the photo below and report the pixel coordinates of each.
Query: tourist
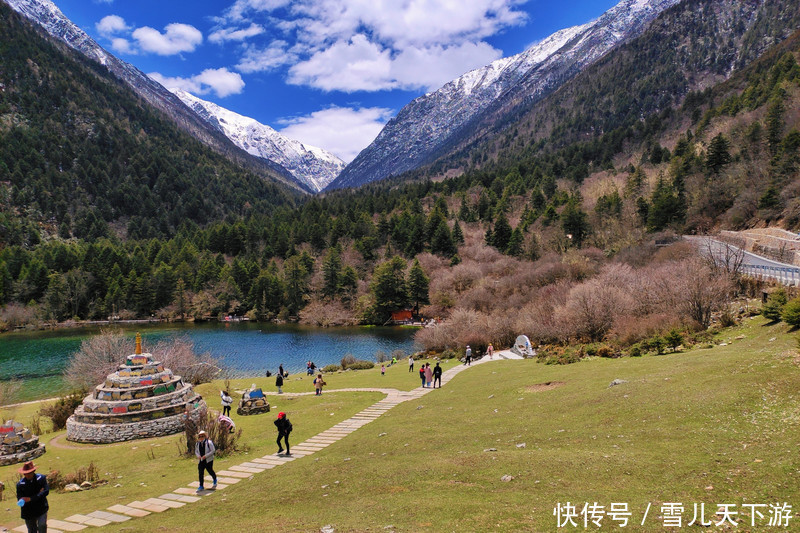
column 394, row 360
column 428, row 375
column 410, row 363
column 437, row 375
column 227, row 423
column 490, row 351
column 226, row 402
column 280, row 370
column 309, row 370
column 318, row 384
column 422, row 374
column 204, row 451
column 284, row 428
column 279, row 383
column 383, row 370
column 313, row 368
column 468, row 356
column 32, row 491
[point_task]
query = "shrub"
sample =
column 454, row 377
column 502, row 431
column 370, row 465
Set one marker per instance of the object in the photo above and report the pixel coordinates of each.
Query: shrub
column 727, row 318
column 224, row 441
column 382, row 357
column 448, row 354
column 773, row 308
column 398, row 354
column 361, row 364
column 674, row 339
column 607, row 351
column 791, row 312
column 331, row 368
column 658, row 343
column 635, row 351
column 347, row 360
column 57, row 481
column 62, row 409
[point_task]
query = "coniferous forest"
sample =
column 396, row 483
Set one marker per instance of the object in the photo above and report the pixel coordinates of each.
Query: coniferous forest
column 109, row 210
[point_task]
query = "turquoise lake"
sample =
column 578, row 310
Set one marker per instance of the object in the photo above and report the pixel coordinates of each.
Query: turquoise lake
column 242, row 349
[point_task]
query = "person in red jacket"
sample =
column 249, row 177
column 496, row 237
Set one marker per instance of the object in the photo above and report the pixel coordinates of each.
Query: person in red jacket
column 284, row 428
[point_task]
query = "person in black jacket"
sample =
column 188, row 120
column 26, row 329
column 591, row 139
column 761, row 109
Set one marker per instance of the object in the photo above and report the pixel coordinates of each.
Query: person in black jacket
column 32, row 491
column 284, row 428
column 437, row 375
column 279, row 383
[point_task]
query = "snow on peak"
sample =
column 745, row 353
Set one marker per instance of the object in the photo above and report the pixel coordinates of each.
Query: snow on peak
column 310, row 165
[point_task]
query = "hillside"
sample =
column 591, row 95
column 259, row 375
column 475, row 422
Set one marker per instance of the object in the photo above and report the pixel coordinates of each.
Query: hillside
column 81, row 155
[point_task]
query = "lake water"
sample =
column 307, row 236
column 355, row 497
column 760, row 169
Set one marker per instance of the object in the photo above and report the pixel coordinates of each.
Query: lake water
column 243, row 349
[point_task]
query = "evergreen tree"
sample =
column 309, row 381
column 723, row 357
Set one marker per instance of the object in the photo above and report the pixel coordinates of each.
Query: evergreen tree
column 332, row 271
column 575, row 222
column 349, row 282
column 295, row 278
column 502, row 233
column 389, row 287
column 458, row 235
column 718, row 154
column 418, row 284
column 514, row 247
column 442, row 242
column 665, row 207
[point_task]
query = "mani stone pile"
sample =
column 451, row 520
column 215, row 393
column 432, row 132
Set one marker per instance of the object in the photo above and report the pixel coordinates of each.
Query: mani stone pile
column 18, row 444
column 253, row 402
column 142, row 399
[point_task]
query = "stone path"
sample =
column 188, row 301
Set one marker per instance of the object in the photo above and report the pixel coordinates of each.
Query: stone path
column 246, row 470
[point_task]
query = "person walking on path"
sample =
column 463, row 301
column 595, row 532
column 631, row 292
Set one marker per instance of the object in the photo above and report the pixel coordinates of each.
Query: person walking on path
column 428, row 375
column 410, row 363
column 226, row 402
column 32, row 491
column 284, row 428
column 490, row 351
column 279, row 383
column 422, row 374
column 468, row 356
column 204, row 451
column 437, row 375
column 318, row 384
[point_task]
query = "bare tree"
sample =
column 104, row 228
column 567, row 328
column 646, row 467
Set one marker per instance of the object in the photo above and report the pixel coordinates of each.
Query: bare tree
column 724, row 256
column 97, row 357
column 9, row 390
column 699, row 290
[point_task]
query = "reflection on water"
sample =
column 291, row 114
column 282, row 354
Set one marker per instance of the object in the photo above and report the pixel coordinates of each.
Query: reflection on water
column 243, row 349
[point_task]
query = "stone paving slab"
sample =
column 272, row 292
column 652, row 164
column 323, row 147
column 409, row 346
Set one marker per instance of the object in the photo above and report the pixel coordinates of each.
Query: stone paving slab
column 245, row 469
column 223, row 480
column 192, row 492
column 172, row 504
column 24, row 529
column 255, row 465
column 208, row 488
column 263, row 462
column 130, row 511
column 180, row 498
column 228, row 473
column 148, row 506
column 111, row 517
column 52, row 525
column 87, row 520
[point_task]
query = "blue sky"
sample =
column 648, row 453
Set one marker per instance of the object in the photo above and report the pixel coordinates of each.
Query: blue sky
column 329, row 73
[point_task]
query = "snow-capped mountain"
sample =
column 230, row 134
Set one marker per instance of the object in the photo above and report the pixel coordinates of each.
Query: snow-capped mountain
column 308, row 164
column 46, row 14
column 429, row 125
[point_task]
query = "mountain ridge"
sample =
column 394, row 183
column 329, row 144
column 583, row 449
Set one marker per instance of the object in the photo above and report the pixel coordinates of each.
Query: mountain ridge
column 429, row 122
column 313, row 166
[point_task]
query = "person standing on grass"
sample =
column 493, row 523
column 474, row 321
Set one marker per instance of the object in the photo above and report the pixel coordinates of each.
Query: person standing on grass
column 226, row 402
column 279, row 383
column 490, row 351
column 428, row 374
column 32, row 491
column 468, row 356
column 280, row 370
column 383, row 370
column 422, row 374
column 437, row 375
column 284, row 428
column 318, row 384
column 204, row 451
column 410, row 363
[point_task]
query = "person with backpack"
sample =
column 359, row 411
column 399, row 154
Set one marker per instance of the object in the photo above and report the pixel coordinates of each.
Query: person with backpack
column 279, row 383
column 437, row 375
column 422, row 374
column 284, row 428
column 318, row 384
column 226, row 402
column 468, row 356
column 204, row 451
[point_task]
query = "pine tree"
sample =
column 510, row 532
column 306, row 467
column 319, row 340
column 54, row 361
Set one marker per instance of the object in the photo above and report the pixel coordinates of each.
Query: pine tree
column 418, row 286
column 502, row 233
column 442, row 242
column 332, row 271
column 514, row 247
column 389, row 287
column 574, row 222
column 718, row 154
column 458, row 235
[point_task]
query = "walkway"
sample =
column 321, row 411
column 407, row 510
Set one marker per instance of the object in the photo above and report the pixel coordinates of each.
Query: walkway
column 246, row 470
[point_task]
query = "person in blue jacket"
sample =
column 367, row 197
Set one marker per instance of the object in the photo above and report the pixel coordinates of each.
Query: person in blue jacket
column 32, row 491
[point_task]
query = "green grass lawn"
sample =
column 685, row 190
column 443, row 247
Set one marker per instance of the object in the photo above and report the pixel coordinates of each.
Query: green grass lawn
column 709, row 426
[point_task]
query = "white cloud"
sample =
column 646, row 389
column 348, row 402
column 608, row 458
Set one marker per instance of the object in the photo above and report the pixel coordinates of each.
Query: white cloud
column 220, row 81
column 372, row 45
column 343, row 131
column 176, row 38
column 346, row 66
column 122, row 45
column 257, row 59
column 111, row 25
column 230, row 34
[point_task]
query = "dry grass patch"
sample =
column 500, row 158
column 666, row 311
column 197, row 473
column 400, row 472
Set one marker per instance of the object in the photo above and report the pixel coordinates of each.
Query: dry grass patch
column 548, row 385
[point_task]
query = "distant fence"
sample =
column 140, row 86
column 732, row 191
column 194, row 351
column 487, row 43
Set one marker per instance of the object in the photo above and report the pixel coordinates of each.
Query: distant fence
column 784, row 275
